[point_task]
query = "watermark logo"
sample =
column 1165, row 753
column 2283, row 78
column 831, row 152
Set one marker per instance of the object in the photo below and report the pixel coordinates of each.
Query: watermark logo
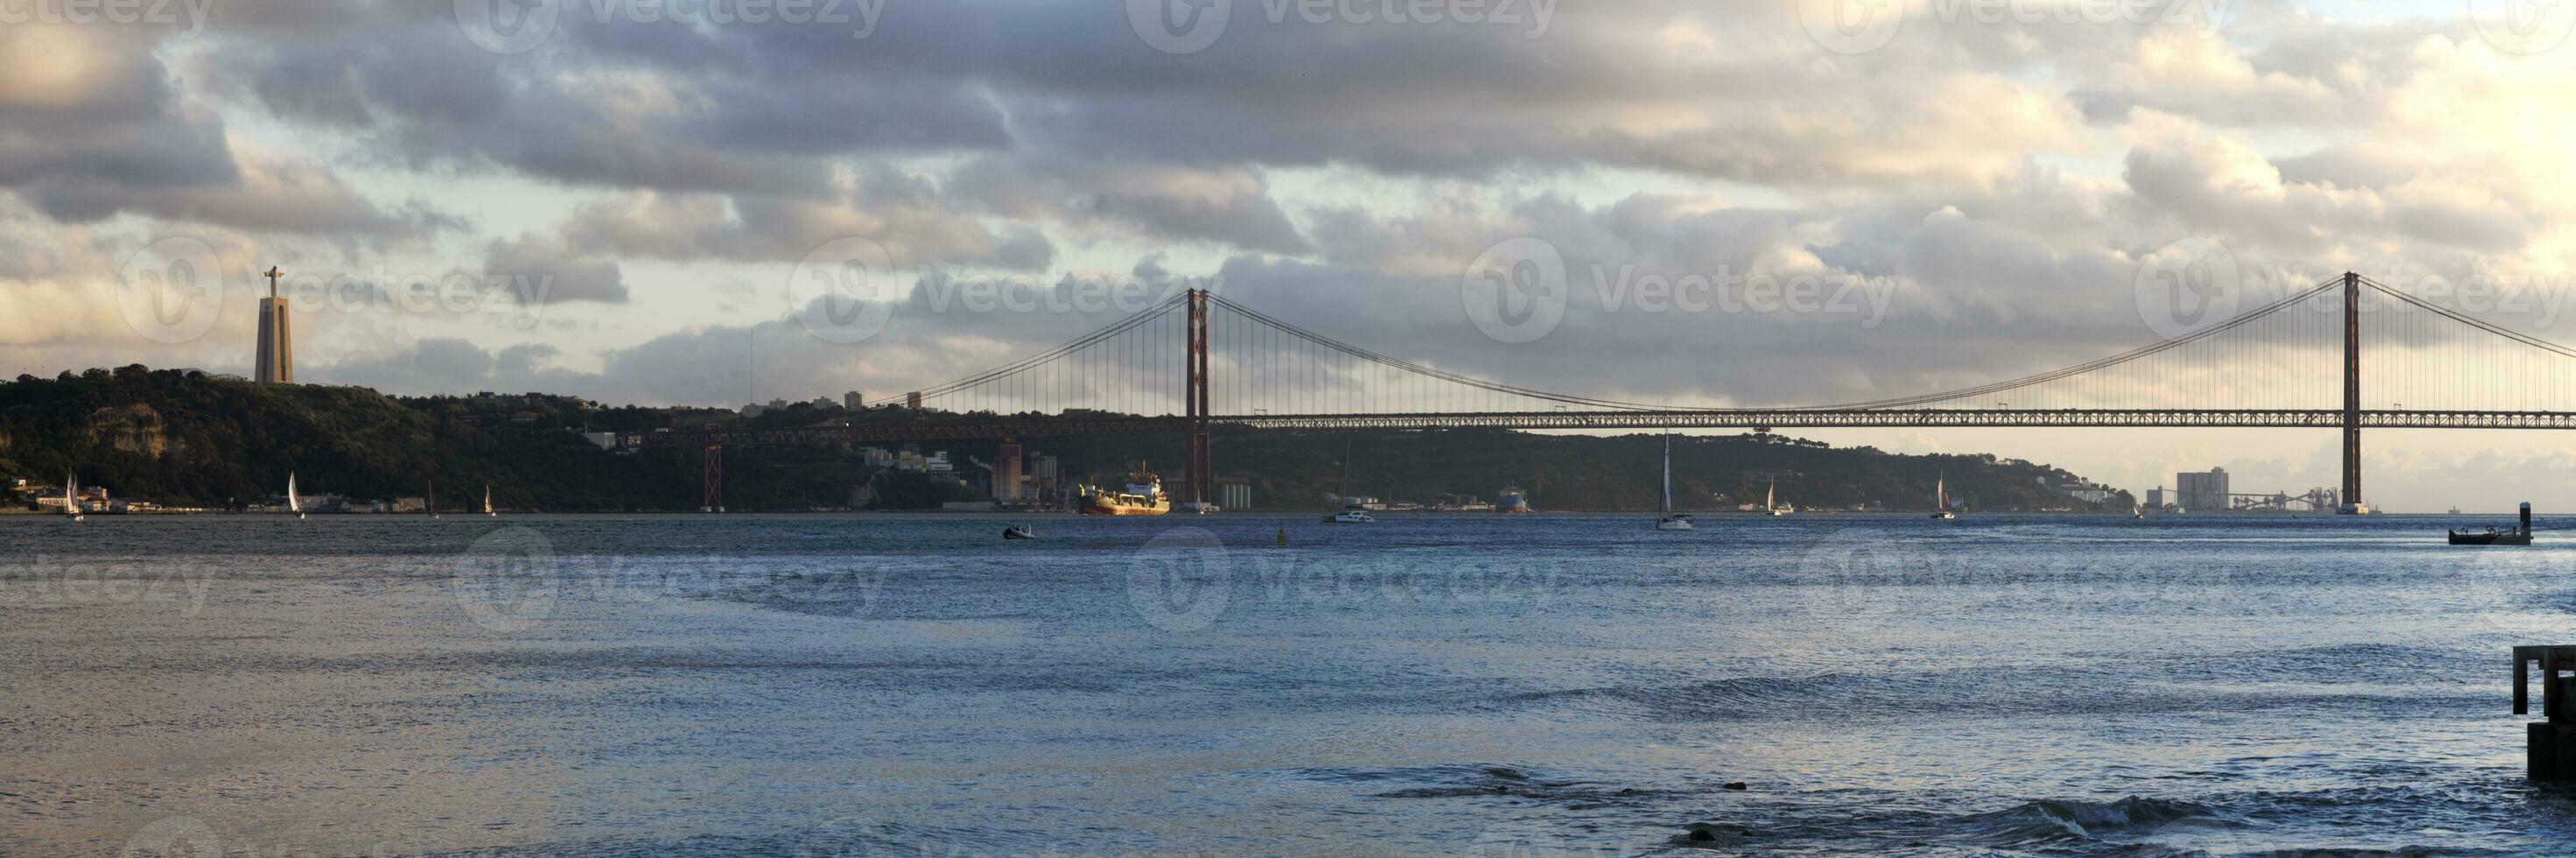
column 1179, row 26
column 1725, row 290
column 1087, row 294
column 517, row 26
column 2523, row 27
column 2187, row 286
column 1191, row 26
column 1516, row 290
column 45, row 580
column 522, row 297
column 1181, row 580
column 506, row 580
column 1863, row 26
column 507, row 26
column 1852, row 26
column 844, row 291
column 188, row 14
column 171, row 290
column 175, row 837
column 840, row 593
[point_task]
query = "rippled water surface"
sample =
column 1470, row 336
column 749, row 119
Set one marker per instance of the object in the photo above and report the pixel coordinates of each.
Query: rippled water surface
column 1487, row 684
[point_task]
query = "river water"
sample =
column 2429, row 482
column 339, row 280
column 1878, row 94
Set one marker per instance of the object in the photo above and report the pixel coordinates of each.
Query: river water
column 736, row 685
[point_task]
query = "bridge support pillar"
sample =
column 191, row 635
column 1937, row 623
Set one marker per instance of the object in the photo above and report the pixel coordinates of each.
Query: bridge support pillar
column 1201, row 474
column 714, row 480
column 2352, row 503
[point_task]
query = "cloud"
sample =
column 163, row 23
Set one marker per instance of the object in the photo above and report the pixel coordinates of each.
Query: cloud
column 554, row 274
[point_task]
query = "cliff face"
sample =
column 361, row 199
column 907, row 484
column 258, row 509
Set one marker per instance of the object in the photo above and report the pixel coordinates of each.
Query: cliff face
column 134, row 428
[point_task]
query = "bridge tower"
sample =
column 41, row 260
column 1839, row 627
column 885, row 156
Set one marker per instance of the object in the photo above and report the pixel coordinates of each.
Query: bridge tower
column 2352, row 504
column 1200, row 475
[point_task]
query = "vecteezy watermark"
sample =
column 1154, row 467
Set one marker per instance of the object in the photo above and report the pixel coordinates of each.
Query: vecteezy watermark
column 1183, row 579
column 2196, row 284
column 512, row 579
column 190, row 837
column 1863, row 26
column 1518, row 291
column 943, row 291
column 172, row 290
column 457, row 293
column 516, row 26
column 56, row 581
column 175, row 837
column 1180, row 581
column 188, row 14
column 844, row 291
column 1191, row 26
column 2187, row 286
column 1725, row 290
column 505, row 581
column 2524, row 27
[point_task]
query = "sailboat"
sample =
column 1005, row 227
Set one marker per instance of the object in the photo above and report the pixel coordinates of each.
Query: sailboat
column 1770, row 503
column 71, row 497
column 1352, row 512
column 1670, row 521
column 1941, row 498
column 430, row 502
column 292, row 504
column 487, row 501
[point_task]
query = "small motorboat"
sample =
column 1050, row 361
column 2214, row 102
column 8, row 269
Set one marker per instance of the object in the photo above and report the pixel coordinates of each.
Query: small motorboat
column 1350, row 515
column 1017, row 532
column 2517, row 536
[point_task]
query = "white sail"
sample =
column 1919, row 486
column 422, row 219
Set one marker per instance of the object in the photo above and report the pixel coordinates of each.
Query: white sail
column 1940, row 492
column 292, row 505
column 487, row 500
column 1770, row 499
column 71, row 494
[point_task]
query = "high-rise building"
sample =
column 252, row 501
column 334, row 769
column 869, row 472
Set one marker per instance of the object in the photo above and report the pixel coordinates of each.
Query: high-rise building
column 2202, row 491
column 2156, row 498
column 1006, row 474
column 275, row 361
column 851, row 400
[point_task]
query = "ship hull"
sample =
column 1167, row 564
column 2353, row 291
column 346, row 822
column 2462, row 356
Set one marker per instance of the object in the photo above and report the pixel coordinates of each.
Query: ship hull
column 1123, row 509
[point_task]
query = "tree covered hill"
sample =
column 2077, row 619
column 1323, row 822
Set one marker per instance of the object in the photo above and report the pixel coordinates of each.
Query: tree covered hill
column 186, row 438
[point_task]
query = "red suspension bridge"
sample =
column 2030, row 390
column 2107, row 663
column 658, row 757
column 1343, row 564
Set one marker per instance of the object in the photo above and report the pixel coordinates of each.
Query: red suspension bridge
column 1199, row 365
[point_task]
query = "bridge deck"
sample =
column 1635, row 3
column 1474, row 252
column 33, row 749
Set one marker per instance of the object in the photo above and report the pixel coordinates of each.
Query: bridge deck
column 1036, row 427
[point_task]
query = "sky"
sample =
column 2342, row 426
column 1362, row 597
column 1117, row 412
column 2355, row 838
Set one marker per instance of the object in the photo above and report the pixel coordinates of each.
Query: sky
column 644, row 201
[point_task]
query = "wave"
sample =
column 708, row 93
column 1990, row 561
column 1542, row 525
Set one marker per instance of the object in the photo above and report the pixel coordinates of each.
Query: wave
column 2069, row 691
column 2057, row 820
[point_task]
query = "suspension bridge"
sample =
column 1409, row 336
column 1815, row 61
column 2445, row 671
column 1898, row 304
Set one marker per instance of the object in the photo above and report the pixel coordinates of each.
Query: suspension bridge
column 1199, row 365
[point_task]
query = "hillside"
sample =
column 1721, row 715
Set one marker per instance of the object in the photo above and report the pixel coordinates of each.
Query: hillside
column 188, row 439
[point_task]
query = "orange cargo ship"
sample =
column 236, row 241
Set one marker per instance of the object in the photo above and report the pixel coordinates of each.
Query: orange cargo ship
column 1143, row 495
